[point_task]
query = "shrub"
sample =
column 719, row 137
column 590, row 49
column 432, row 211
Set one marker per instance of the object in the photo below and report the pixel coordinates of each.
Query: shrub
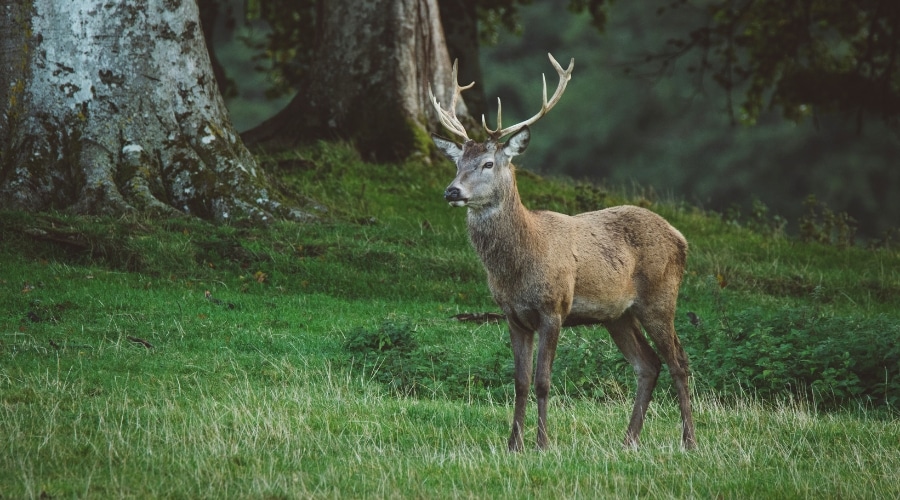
column 800, row 352
column 389, row 337
column 824, row 226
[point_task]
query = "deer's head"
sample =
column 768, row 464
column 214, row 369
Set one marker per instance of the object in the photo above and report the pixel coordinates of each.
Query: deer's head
column 483, row 169
column 484, row 173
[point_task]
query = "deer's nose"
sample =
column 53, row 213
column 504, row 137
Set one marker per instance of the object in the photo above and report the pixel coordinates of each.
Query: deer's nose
column 452, row 194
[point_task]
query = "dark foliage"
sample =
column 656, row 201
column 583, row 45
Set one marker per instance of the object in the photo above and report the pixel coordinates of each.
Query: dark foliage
column 801, row 57
column 792, row 353
column 799, row 353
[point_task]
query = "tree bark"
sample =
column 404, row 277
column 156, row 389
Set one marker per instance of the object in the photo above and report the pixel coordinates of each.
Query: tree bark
column 370, row 82
column 112, row 107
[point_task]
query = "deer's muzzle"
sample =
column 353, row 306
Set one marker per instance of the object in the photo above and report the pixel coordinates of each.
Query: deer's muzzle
column 453, row 195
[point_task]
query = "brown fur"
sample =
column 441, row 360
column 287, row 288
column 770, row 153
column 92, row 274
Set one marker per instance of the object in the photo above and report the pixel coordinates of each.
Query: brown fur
column 620, row 267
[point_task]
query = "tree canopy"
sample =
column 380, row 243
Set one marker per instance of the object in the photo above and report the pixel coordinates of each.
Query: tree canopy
column 799, row 56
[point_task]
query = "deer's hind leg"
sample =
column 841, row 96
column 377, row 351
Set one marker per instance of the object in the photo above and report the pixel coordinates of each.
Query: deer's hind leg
column 626, row 333
column 661, row 328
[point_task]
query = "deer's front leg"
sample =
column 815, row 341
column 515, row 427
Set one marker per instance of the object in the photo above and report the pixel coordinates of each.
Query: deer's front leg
column 548, row 338
column 523, row 347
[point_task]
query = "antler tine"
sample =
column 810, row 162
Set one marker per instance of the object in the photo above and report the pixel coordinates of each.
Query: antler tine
column 499, row 114
column 448, row 117
column 546, row 105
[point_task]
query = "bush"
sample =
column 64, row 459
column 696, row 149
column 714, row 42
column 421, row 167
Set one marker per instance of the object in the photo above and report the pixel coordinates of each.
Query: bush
column 800, row 352
column 390, row 337
column 821, row 224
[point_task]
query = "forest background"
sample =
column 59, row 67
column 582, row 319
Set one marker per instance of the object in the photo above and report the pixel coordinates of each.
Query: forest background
column 628, row 122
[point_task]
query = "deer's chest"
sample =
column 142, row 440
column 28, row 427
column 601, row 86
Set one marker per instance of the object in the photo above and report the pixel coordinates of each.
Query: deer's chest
column 529, row 289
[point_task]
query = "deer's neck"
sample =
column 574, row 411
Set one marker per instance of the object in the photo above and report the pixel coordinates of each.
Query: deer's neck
column 503, row 234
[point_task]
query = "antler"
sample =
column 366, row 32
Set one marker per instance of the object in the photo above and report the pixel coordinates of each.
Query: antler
column 448, row 117
column 564, row 77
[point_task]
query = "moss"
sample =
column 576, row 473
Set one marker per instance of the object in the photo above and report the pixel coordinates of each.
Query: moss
column 385, row 133
column 422, row 142
column 12, row 115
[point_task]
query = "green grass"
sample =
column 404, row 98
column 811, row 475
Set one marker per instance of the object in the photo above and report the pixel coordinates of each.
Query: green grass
column 258, row 395
column 305, row 430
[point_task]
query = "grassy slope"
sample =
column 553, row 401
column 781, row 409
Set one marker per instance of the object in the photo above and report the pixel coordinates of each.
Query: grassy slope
column 253, row 396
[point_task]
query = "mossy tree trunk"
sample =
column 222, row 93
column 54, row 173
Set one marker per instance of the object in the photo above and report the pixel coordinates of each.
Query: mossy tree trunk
column 112, row 107
column 369, row 84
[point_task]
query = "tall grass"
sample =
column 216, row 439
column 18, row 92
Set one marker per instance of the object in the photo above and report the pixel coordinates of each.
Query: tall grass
column 324, row 433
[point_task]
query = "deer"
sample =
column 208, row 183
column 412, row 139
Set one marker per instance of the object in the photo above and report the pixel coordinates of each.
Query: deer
column 620, row 267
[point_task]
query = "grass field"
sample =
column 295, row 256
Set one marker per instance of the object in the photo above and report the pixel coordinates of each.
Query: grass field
column 143, row 358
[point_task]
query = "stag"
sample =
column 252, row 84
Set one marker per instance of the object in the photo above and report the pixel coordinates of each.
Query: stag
column 620, row 267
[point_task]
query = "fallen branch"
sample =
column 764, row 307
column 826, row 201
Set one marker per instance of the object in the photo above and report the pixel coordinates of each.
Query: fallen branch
column 143, row 342
column 486, row 317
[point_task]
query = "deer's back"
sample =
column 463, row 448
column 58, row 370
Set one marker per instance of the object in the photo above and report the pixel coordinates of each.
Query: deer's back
column 633, row 239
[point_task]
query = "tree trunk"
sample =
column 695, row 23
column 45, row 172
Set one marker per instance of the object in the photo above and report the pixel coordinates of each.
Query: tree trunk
column 460, row 21
column 112, row 107
column 370, row 82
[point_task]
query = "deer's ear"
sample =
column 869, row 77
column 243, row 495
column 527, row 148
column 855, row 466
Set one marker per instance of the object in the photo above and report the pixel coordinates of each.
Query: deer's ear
column 450, row 149
column 517, row 143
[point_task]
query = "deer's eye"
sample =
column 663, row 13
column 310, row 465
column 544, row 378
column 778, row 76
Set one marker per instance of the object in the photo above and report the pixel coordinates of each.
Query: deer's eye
column 488, row 164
